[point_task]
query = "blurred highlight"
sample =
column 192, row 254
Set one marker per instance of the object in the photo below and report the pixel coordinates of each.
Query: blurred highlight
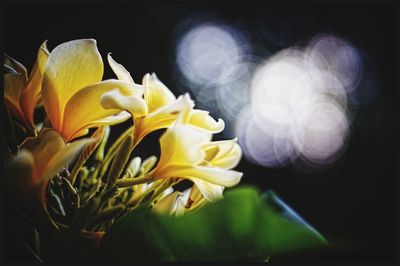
column 296, row 104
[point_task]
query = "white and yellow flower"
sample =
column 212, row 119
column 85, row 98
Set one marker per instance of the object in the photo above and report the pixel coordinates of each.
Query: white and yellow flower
column 72, row 90
column 162, row 105
column 224, row 154
column 188, row 153
column 38, row 160
column 22, row 93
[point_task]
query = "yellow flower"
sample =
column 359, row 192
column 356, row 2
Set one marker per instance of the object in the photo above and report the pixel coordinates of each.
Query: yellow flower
column 225, row 154
column 178, row 203
column 21, row 93
column 163, row 107
column 72, row 90
column 39, row 159
column 186, row 152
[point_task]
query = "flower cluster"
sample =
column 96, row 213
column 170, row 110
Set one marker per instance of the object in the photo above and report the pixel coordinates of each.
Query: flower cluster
column 73, row 181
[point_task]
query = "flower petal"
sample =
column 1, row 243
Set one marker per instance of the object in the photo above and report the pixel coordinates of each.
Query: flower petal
column 119, row 70
column 203, row 120
column 162, row 117
column 63, row 157
column 43, row 56
column 181, row 145
column 84, row 109
column 109, row 120
column 210, row 191
column 50, row 153
column 14, row 85
column 167, row 204
column 116, row 100
column 31, row 94
column 228, row 155
column 43, row 147
column 157, row 94
column 71, row 66
column 15, row 66
column 215, row 175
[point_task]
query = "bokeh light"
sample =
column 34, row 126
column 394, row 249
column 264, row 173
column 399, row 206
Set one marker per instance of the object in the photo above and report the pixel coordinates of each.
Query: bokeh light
column 209, row 54
column 289, row 106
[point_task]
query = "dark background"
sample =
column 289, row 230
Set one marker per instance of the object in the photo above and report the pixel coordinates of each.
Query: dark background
column 353, row 202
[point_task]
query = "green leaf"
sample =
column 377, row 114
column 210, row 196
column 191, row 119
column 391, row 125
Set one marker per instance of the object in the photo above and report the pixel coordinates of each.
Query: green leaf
column 243, row 226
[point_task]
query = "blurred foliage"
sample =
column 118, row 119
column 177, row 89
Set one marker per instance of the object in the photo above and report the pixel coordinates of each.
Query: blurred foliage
column 245, row 225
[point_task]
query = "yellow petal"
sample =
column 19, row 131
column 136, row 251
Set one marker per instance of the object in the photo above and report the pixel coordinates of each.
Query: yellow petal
column 162, row 117
column 84, row 109
column 116, row 100
column 63, row 158
column 43, row 148
column 15, row 66
column 43, row 56
column 157, row 94
column 203, row 120
column 228, row 155
column 119, row 70
column 167, row 204
column 215, row 175
column 15, row 81
column 230, row 159
column 210, row 153
column 31, row 93
column 109, row 120
column 14, row 85
column 210, row 191
column 181, row 145
column 71, row 66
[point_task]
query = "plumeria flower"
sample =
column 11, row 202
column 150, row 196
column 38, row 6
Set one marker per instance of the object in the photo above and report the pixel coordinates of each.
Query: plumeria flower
column 162, row 105
column 225, row 154
column 176, row 203
column 72, row 89
column 38, row 160
column 21, row 93
column 184, row 155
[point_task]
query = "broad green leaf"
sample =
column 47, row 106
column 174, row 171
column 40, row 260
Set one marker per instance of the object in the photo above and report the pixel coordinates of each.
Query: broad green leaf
column 243, row 226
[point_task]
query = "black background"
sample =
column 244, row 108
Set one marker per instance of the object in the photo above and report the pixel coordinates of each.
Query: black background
column 351, row 203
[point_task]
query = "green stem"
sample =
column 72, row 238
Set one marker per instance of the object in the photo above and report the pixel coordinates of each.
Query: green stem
column 135, row 181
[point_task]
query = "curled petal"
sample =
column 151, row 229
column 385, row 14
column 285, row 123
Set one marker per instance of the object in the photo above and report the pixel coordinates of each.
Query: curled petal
column 162, row 118
column 84, row 110
column 15, row 66
column 210, row 153
column 71, row 66
column 167, row 205
column 31, row 93
column 215, row 175
column 228, row 155
column 14, row 85
column 43, row 148
column 210, row 191
column 63, row 158
column 109, row 120
column 42, row 57
column 157, row 94
column 181, row 145
column 119, row 70
column 203, row 120
column 116, row 100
